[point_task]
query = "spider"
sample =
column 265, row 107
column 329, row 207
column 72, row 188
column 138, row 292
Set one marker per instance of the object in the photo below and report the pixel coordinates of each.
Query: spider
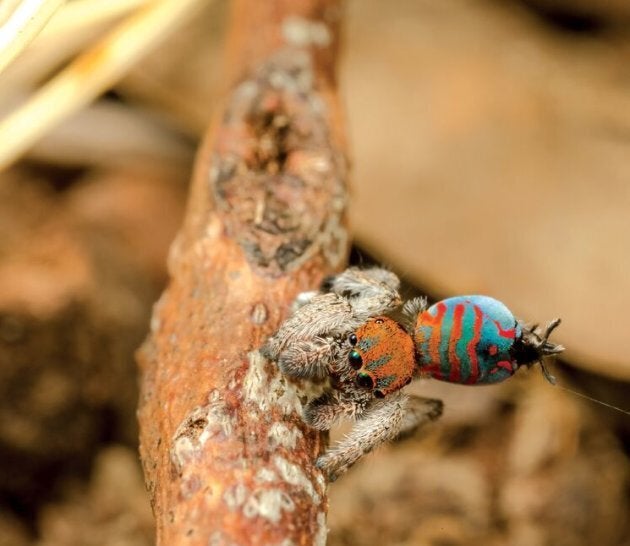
column 342, row 332
column 323, row 338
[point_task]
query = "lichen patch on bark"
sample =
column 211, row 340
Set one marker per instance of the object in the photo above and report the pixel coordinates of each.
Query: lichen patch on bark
column 302, row 32
column 281, row 435
column 293, row 474
column 268, row 390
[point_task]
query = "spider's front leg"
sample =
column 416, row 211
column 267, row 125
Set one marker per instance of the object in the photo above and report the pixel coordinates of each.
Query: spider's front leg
column 323, row 412
column 323, row 318
column 309, row 359
column 370, row 292
column 383, row 420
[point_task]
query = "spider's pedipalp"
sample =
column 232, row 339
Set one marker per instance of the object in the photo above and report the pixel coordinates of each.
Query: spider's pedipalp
column 309, row 359
column 323, row 412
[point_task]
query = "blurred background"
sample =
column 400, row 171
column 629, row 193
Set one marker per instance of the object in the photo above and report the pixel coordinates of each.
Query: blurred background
column 490, row 144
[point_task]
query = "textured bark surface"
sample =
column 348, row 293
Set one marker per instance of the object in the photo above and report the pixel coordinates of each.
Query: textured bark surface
column 226, row 457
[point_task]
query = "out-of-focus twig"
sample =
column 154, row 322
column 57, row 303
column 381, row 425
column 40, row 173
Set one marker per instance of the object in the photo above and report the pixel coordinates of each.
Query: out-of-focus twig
column 72, row 29
column 90, row 74
column 78, row 14
column 227, row 458
column 22, row 24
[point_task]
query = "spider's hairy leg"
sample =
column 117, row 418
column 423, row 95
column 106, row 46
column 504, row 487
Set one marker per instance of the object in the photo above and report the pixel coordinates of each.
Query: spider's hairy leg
column 323, row 412
column 371, row 291
column 381, row 422
column 355, row 280
column 325, row 315
column 384, row 420
column 420, row 411
column 350, row 299
column 410, row 311
column 311, row 359
column 302, row 299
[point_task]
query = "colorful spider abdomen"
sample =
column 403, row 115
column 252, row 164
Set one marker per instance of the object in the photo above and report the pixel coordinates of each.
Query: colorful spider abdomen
column 384, row 356
column 467, row 339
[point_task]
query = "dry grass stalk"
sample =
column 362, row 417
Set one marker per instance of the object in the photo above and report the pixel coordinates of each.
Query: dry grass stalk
column 71, row 30
column 21, row 25
column 79, row 14
column 90, row 74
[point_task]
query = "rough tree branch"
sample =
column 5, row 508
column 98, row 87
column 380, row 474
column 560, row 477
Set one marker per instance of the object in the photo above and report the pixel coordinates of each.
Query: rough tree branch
column 226, row 456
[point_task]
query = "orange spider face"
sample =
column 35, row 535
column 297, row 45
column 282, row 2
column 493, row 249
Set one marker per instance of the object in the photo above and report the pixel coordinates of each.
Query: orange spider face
column 383, row 353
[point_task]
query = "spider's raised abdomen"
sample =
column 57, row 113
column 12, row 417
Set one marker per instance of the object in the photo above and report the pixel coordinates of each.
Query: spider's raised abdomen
column 467, row 339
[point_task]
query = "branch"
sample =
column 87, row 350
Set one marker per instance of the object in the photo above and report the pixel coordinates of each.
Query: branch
column 226, row 455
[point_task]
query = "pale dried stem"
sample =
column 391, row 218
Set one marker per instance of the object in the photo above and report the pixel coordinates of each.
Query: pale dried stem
column 76, row 16
column 90, row 74
column 71, row 30
column 21, row 25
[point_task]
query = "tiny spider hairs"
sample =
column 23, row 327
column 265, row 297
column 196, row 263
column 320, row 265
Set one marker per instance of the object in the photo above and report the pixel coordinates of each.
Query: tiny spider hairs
column 342, row 333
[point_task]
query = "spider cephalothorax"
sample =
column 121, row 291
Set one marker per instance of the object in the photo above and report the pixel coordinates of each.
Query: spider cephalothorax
column 383, row 355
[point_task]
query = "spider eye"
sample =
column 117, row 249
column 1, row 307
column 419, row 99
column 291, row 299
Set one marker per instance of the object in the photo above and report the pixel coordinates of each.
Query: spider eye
column 379, row 321
column 379, row 394
column 355, row 359
column 365, row 381
column 352, row 338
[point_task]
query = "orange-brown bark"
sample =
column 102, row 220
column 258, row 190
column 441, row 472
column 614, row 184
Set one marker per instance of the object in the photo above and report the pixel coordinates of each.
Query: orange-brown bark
column 227, row 458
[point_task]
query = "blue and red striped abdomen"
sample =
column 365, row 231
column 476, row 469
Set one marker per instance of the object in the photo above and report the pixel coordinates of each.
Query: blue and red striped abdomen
column 467, row 339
